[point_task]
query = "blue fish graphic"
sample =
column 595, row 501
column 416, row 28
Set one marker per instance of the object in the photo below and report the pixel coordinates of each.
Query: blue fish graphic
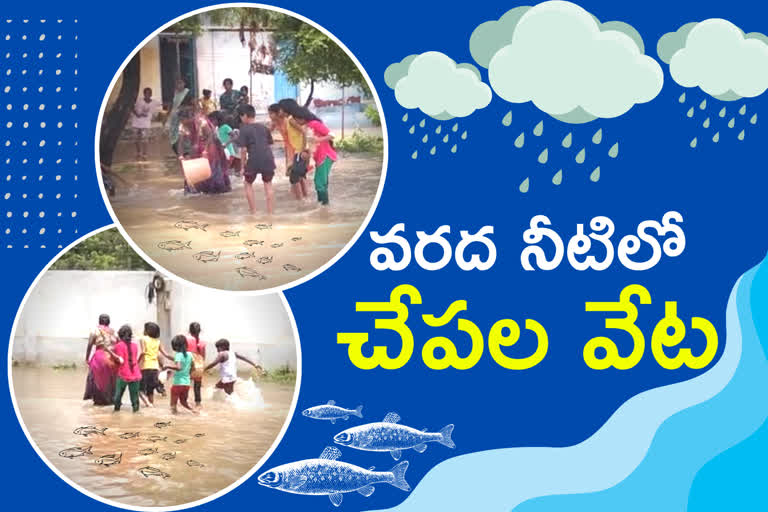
column 388, row 436
column 332, row 412
column 330, row 477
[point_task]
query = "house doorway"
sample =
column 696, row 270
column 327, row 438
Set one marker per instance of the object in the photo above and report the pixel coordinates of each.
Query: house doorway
column 177, row 59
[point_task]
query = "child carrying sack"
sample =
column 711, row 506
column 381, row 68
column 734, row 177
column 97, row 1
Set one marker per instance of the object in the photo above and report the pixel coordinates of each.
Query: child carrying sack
column 298, row 169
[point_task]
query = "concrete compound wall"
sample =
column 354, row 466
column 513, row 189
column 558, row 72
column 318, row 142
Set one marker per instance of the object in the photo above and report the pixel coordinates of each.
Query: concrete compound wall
column 65, row 305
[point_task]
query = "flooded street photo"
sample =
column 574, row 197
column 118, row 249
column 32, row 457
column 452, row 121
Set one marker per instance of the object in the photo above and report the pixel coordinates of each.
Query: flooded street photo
column 236, row 433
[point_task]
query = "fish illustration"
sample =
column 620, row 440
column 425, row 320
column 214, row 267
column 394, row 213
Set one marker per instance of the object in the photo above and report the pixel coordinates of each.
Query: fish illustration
column 186, row 225
column 249, row 272
column 194, row 464
column 180, row 441
column 110, row 460
column 89, row 430
column 199, row 435
column 156, row 438
column 148, row 471
column 276, row 245
column 245, row 255
column 168, row 456
column 251, row 243
column 71, row 453
column 207, row 256
column 174, row 245
column 389, row 436
column 230, row 234
column 263, row 260
column 332, row 412
column 263, row 226
column 162, row 424
column 148, row 451
column 129, row 435
column 291, row 268
column 330, row 477
column 295, row 238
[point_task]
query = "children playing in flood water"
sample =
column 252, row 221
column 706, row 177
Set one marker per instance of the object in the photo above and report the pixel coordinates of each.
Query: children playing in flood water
column 226, row 360
column 257, row 159
column 128, row 353
column 182, row 365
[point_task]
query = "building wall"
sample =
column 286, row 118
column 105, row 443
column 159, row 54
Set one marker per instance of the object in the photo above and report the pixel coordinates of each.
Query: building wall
column 65, row 305
column 150, row 67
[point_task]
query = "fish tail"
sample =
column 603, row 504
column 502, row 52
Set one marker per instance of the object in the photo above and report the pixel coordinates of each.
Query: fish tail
column 203, row 226
column 88, row 450
column 445, row 436
column 103, row 430
column 358, row 411
column 398, row 472
column 119, row 457
column 188, row 244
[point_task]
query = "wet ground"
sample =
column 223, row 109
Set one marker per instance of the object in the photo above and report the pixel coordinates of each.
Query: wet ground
column 236, row 250
column 237, row 432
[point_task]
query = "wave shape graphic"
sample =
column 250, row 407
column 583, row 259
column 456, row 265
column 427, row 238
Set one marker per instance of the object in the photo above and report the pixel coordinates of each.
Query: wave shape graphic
column 500, row 480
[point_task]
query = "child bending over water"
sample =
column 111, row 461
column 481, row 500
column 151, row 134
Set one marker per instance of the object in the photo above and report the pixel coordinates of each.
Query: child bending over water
column 227, row 361
column 182, row 366
column 128, row 371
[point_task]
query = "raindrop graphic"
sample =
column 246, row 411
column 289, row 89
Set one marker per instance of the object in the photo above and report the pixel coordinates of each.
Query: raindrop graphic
column 597, row 138
column 439, row 128
column 741, row 135
column 445, row 139
column 425, row 138
column 544, row 156
column 539, row 129
column 722, row 112
column 732, row 122
column 524, row 185
column 743, row 110
column 703, row 104
column 694, row 142
column 507, row 119
column 422, row 123
column 753, row 120
column 558, row 177
column 520, row 140
column 412, row 130
column 614, row 151
column 464, row 135
column 405, row 117
column 682, row 98
column 690, row 112
column 453, row 149
column 706, row 123
column 455, row 127
column 433, row 150
column 595, row 176
column 581, row 156
column 568, row 140
column 414, row 154
column 716, row 138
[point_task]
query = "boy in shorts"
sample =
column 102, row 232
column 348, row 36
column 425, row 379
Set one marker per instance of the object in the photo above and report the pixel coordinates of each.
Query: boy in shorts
column 141, row 122
column 226, row 360
column 255, row 141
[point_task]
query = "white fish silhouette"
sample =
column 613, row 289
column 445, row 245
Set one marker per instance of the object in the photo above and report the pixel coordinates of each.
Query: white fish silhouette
column 332, row 412
column 388, row 436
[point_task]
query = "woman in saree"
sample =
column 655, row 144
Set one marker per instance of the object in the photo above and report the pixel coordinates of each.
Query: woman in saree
column 100, row 383
column 180, row 94
column 198, row 137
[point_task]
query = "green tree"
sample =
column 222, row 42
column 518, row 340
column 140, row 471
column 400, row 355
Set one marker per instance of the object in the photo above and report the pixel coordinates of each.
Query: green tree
column 107, row 250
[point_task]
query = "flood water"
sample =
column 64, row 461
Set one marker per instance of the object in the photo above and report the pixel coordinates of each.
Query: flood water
column 256, row 251
column 238, row 432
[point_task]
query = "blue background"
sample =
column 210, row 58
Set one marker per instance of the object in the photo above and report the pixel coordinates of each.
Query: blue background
column 718, row 188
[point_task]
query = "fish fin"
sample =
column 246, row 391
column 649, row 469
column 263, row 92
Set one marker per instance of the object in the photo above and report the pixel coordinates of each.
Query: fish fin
column 333, row 421
column 396, row 454
column 358, row 411
column 372, row 468
column 399, row 473
column 345, row 417
column 391, row 417
column 296, row 481
column 330, row 453
column 420, row 448
column 336, row 498
column 366, row 490
column 445, row 436
column 331, row 402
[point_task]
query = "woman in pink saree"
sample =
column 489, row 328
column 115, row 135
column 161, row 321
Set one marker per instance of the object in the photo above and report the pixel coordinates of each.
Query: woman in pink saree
column 100, row 383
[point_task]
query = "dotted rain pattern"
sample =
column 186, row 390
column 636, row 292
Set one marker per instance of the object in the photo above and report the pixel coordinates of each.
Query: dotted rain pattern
column 39, row 132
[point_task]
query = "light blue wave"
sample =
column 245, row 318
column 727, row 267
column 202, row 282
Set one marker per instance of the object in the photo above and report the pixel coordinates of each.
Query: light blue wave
column 500, row 480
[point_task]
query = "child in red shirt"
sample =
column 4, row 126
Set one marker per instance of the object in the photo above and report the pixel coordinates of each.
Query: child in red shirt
column 128, row 370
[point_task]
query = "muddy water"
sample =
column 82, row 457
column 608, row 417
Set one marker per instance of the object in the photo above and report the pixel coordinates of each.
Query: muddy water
column 262, row 251
column 238, row 432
